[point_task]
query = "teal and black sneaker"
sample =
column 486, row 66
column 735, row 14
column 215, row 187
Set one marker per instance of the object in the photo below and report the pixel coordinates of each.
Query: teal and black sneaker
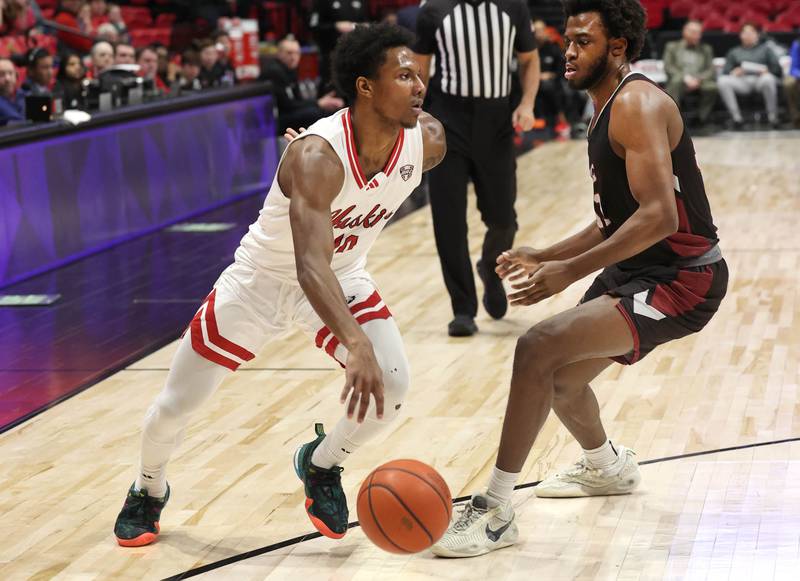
column 137, row 523
column 326, row 503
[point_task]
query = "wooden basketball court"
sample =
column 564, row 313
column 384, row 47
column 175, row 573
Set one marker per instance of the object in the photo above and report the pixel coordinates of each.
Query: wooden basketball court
column 701, row 513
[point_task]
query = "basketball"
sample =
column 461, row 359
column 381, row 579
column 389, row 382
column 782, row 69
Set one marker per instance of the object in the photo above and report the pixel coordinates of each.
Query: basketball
column 404, row 506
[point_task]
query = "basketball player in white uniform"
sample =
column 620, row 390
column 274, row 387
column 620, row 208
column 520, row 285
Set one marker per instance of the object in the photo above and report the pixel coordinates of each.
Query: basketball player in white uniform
column 303, row 263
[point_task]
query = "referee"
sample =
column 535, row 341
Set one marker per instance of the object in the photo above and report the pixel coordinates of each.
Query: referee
column 474, row 42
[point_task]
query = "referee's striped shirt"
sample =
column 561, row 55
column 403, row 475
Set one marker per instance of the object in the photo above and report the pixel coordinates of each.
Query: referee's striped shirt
column 474, row 42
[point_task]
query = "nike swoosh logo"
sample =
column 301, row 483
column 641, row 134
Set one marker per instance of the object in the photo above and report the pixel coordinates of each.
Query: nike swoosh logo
column 494, row 536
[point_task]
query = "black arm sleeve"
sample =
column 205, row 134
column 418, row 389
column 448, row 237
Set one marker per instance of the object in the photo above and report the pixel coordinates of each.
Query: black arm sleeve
column 525, row 40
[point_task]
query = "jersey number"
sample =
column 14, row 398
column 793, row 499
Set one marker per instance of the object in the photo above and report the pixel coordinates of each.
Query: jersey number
column 344, row 243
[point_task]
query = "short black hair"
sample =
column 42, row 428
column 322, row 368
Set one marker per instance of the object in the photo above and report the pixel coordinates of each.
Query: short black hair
column 622, row 19
column 35, row 55
column 361, row 52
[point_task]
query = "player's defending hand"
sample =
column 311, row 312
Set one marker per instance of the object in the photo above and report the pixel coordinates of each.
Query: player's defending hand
column 518, row 263
column 364, row 377
column 549, row 279
column 291, row 133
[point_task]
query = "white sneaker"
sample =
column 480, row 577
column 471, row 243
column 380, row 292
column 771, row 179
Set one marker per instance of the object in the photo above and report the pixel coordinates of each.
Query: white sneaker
column 478, row 529
column 581, row 479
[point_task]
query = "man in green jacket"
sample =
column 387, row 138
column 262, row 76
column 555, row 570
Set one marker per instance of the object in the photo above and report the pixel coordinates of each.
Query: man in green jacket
column 749, row 68
column 690, row 68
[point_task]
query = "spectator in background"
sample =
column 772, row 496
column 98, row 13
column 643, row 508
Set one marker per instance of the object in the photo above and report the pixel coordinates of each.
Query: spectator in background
column 85, row 20
column 222, row 42
column 147, row 59
column 12, row 101
column 16, row 17
column 115, row 18
column 99, row 11
column 190, row 71
column 124, row 54
column 689, row 65
column 792, row 84
column 67, row 15
column 69, row 81
column 551, row 99
column 295, row 109
column 40, row 72
column 749, row 68
column 102, row 58
column 167, row 71
column 211, row 72
column 108, row 32
column 330, row 20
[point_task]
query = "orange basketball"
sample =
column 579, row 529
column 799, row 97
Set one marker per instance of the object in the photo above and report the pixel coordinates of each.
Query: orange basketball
column 404, row 506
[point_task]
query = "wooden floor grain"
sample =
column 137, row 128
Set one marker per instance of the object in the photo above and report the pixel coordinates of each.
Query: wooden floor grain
column 729, row 515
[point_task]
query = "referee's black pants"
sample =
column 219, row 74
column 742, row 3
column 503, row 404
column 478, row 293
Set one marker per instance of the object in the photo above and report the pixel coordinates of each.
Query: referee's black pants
column 480, row 147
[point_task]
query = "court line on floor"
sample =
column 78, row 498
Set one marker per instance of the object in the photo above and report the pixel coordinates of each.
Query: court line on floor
column 311, row 536
column 245, row 369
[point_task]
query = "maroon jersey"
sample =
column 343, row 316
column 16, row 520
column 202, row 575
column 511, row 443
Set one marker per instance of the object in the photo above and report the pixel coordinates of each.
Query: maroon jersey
column 614, row 203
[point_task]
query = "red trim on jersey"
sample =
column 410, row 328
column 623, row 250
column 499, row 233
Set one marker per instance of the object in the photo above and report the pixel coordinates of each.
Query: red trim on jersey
column 352, row 152
column 217, row 339
column 367, row 303
column 634, row 331
column 688, row 245
column 395, row 155
column 683, row 217
column 351, row 149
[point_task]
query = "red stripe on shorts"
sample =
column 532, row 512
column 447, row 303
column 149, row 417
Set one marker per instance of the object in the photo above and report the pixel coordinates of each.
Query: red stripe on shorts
column 367, row 303
column 217, row 339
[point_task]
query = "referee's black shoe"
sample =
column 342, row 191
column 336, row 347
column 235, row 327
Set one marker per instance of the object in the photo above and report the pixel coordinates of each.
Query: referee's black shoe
column 494, row 295
column 462, row 326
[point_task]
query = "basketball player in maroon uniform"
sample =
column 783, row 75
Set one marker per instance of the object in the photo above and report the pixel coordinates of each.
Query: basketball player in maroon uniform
column 663, row 275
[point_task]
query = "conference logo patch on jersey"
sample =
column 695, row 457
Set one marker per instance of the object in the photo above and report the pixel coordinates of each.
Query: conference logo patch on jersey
column 406, row 171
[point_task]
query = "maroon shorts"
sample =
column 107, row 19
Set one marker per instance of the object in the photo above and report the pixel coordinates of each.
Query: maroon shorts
column 662, row 303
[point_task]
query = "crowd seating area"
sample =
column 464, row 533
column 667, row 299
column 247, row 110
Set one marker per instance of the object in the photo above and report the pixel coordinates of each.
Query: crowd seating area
column 180, row 32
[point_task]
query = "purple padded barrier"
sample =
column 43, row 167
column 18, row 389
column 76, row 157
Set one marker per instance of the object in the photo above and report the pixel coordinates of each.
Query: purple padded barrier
column 68, row 196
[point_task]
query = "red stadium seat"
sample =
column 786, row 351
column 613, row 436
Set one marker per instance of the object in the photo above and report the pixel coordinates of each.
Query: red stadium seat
column 733, row 27
column 714, row 21
column 756, row 18
column 164, row 20
column 702, row 11
column 736, row 11
column 144, row 37
column 136, row 17
column 655, row 13
column 778, row 27
column 681, row 8
column 791, row 15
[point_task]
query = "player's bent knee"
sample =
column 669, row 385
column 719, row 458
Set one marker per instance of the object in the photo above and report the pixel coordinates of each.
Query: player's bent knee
column 396, row 380
column 535, row 351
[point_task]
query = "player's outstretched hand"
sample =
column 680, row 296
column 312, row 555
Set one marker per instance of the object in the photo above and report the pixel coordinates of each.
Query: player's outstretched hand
column 548, row 279
column 364, row 378
column 518, row 263
column 291, row 133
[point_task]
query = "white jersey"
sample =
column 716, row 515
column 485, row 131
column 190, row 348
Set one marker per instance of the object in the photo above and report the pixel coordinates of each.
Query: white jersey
column 358, row 213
